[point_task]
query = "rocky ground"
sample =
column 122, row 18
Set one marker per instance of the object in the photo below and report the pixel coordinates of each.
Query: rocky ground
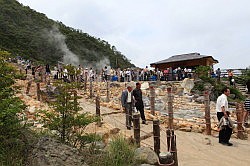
column 194, row 147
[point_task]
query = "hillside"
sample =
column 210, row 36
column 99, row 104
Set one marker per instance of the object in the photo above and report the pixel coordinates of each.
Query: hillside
column 30, row 34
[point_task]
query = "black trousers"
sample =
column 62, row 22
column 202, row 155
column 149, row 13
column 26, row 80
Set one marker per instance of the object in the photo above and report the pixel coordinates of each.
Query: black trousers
column 226, row 132
column 140, row 107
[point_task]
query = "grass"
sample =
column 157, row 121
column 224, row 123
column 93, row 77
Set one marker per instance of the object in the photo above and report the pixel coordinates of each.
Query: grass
column 118, row 153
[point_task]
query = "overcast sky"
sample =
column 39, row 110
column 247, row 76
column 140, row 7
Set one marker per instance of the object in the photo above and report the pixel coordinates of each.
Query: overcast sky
column 147, row 31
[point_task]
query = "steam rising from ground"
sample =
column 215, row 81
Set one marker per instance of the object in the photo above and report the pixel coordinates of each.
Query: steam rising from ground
column 101, row 64
column 58, row 39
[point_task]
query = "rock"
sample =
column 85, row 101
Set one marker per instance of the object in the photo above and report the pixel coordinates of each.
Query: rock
column 48, row 151
column 200, row 99
column 188, row 85
column 32, row 109
column 97, row 146
column 147, row 155
column 247, row 130
column 186, row 129
column 144, row 85
column 114, row 131
column 115, row 84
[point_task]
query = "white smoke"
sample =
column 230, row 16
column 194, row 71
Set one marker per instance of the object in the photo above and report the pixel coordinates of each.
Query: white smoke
column 58, row 39
column 102, row 63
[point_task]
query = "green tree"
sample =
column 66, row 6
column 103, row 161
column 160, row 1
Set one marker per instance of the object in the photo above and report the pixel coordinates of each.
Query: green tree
column 65, row 118
column 29, row 34
column 10, row 106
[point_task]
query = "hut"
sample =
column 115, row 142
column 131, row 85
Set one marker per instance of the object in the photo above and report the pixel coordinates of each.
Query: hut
column 190, row 60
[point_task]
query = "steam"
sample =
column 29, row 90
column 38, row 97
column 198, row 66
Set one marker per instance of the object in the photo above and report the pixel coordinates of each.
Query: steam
column 102, row 63
column 58, row 39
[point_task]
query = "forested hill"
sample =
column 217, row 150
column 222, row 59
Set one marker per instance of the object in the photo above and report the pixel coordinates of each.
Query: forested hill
column 30, row 34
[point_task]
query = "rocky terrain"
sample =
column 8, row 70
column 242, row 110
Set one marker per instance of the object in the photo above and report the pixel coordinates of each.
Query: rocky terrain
column 188, row 114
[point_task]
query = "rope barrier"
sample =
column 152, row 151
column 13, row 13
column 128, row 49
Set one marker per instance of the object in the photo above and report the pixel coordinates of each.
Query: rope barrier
column 147, row 144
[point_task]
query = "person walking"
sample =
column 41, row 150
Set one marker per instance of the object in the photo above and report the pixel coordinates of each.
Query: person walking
column 137, row 93
column 221, row 109
column 127, row 104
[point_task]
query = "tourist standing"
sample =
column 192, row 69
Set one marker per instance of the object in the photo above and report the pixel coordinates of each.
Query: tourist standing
column 137, row 93
column 127, row 104
column 221, row 108
column 218, row 74
column 230, row 77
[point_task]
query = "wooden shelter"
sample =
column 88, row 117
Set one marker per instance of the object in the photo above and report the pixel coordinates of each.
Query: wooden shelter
column 190, row 60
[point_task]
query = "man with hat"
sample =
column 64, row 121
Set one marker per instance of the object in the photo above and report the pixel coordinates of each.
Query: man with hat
column 127, row 103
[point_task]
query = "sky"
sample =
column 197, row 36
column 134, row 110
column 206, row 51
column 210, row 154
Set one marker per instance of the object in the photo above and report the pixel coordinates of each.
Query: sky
column 147, row 31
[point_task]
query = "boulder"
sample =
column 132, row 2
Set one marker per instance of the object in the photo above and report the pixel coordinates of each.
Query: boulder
column 187, row 84
column 48, row 151
column 186, row 129
column 147, row 155
column 200, row 99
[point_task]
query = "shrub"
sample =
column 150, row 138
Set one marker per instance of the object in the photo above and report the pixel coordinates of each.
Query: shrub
column 65, row 118
column 118, row 153
column 10, row 106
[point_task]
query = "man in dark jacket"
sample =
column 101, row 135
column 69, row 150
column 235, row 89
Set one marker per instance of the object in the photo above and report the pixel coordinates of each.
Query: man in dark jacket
column 127, row 103
column 137, row 93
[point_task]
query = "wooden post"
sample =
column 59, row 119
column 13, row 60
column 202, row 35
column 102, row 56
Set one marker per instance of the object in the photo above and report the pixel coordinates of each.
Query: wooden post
column 38, row 91
column 90, row 88
column 207, row 113
column 28, row 87
column 75, row 100
column 152, row 98
column 170, row 108
column 41, row 77
column 173, row 148
column 168, row 139
column 98, row 111
column 108, row 92
column 136, row 121
column 156, row 132
column 239, row 114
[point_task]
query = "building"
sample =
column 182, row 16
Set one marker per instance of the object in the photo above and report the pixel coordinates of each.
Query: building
column 190, row 60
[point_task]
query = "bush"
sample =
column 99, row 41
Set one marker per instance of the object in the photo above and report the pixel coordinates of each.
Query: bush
column 11, row 146
column 118, row 153
column 65, row 118
column 216, row 86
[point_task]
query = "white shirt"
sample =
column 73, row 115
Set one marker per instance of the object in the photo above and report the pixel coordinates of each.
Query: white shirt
column 221, row 101
column 129, row 99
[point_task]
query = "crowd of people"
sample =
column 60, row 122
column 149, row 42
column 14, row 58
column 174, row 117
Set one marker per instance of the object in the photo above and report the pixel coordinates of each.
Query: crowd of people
column 131, row 99
column 70, row 73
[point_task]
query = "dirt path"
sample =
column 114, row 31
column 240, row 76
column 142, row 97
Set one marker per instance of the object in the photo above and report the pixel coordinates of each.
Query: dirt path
column 193, row 148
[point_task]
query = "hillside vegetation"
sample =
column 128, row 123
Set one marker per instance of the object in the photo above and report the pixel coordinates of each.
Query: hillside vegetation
column 32, row 35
